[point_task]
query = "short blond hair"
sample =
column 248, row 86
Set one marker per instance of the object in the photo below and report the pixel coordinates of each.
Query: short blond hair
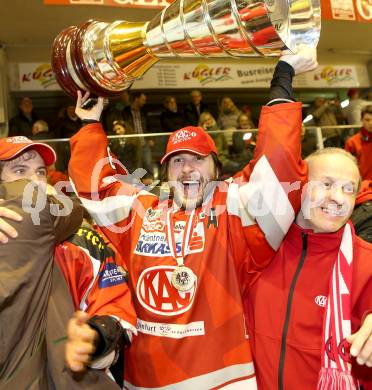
column 203, row 117
column 332, row 151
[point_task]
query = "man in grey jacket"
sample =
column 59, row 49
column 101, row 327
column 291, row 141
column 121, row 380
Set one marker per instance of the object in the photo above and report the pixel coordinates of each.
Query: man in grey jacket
column 34, row 299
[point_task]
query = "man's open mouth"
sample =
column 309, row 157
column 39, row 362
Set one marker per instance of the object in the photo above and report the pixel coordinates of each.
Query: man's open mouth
column 191, row 186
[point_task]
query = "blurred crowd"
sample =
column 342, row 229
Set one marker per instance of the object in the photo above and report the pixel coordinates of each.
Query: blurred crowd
column 230, row 126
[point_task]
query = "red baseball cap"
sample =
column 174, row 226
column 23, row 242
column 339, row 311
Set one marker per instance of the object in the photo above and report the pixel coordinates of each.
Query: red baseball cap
column 11, row 147
column 190, row 139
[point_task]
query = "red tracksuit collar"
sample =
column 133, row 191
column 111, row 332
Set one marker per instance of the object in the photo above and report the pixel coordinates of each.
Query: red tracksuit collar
column 316, row 242
column 365, row 135
column 365, row 192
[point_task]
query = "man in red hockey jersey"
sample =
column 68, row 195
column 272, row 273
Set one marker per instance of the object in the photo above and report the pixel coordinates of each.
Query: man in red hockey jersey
column 187, row 254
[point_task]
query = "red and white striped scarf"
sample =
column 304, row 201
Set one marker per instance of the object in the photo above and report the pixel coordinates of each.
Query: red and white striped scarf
column 335, row 373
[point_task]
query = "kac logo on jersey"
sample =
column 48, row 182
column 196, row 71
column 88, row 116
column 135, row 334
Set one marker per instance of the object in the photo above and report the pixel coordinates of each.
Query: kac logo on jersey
column 156, row 293
column 321, row 300
column 112, row 275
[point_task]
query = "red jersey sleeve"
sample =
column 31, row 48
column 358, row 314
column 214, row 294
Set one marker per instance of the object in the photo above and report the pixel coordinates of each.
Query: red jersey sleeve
column 98, row 179
column 97, row 285
column 267, row 191
column 270, row 185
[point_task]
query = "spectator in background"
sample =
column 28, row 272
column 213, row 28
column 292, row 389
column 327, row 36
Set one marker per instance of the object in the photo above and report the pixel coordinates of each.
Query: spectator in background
column 118, row 127
column 208, row 123
column 171, row 119
column 244, row 122
column 21, row 124
column 113, row 111
column 308, row 141
column 228, row 114
column 40, row 130
column 227, row 117
column 136, row 123
column 360, row 144
column 123, row 148
column 247, row 110
column 243, row 143
column 328, row 113
column 354, row 110
column 69, row 123
column 194, row 109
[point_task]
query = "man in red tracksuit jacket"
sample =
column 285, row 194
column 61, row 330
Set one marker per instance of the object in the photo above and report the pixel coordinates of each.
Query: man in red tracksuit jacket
column 286, row 307
column 360, row 144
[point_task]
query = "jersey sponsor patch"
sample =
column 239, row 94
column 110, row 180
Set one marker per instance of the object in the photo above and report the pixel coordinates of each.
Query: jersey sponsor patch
column 174, row 331
column 153, row 221
column 156, row 293
column 112, row 275
column 154, row 243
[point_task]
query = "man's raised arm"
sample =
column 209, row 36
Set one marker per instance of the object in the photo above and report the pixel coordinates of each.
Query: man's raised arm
column 275, row 176
column 98, row 177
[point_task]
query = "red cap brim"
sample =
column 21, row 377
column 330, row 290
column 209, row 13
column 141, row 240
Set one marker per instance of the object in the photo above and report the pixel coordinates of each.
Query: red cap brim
column 46, row 152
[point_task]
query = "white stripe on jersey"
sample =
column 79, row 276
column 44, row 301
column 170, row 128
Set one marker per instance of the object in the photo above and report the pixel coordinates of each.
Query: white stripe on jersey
column 212, row 379
column 112, row 209
column 265, row 199
column 96, row 264
column 235, row 205
column 247, row 384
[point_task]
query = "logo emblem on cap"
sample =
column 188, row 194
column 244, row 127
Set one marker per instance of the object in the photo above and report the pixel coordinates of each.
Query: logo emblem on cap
column 182, row 136
column 19, row 140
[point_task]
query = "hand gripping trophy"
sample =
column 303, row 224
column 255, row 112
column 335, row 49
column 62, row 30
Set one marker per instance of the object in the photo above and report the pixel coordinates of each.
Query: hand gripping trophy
column 106, row 58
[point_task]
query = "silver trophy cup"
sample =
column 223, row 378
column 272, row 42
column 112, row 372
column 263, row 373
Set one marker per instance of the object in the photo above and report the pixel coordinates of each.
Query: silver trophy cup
column 105, row 58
